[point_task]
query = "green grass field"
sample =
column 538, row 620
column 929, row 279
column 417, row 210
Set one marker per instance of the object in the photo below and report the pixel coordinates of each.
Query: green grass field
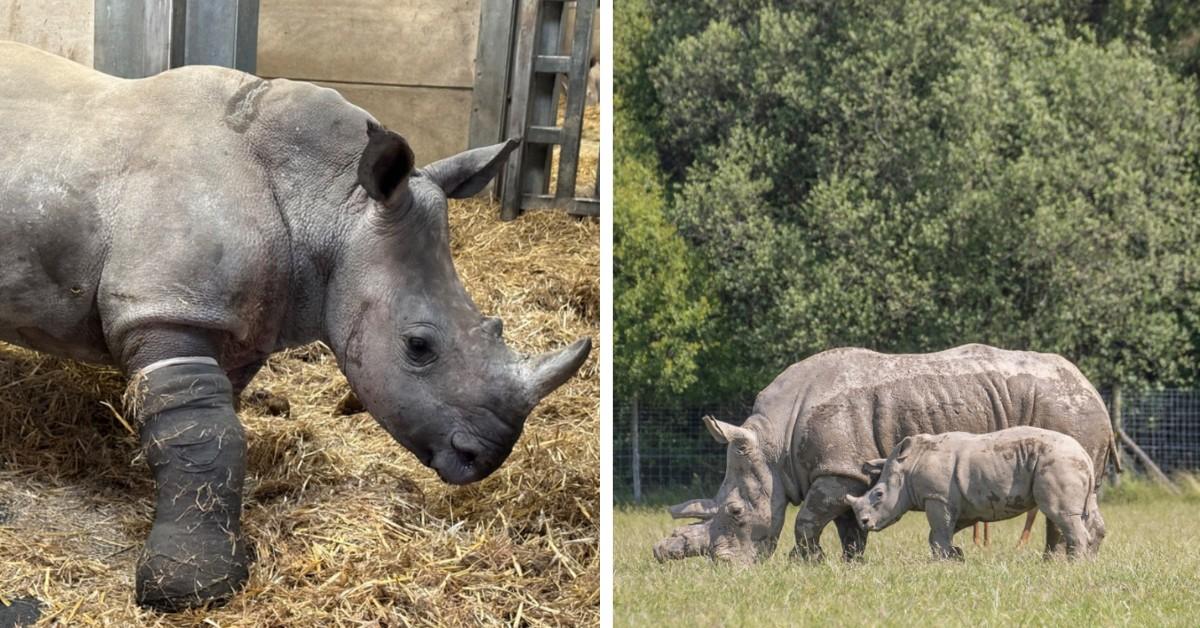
column 1147, row 574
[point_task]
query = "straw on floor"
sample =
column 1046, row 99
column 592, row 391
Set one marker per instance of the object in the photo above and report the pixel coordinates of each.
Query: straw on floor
column 349, row 529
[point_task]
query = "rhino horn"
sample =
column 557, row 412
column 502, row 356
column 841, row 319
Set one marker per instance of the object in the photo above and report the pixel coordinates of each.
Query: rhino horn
column 725, row 433
column 550, row 370
column 694, row 508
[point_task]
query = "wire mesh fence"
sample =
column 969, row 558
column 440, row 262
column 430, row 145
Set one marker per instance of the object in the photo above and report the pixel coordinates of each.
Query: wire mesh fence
column 675, row 456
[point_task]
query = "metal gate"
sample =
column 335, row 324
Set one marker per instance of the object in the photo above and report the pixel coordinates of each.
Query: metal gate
column 524, row 55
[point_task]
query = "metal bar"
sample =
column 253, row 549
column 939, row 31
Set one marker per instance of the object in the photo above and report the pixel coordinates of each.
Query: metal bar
column 518, row 115
column 133, row 38
column 221, row 32
column 544, row 99
column 544, row 135
column 573, row 206
column 246, row 56
column 489, row 106
column 552, row 64
column 572, row 126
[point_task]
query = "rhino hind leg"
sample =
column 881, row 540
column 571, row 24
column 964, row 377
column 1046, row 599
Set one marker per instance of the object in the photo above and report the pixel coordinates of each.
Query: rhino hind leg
column 824, row 503
column 195, row 554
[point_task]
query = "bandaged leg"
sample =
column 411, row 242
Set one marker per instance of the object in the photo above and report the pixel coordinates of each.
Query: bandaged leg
column 196, row 449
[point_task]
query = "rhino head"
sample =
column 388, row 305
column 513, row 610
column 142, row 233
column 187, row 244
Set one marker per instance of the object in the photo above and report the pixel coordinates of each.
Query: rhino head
column 423, row 360
column 742, row 525
column 885, row 502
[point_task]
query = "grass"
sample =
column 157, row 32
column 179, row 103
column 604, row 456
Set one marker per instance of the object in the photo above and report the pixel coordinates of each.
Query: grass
column 1145, row 575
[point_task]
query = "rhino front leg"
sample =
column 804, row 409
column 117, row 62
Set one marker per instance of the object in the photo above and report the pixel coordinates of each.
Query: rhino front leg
column 194, row 444
column 824, row 502
column 240, row 378
column 853, row 537
column 943, row 522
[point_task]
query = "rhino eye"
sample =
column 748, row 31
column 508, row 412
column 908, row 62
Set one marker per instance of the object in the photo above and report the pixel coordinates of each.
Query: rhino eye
column 419, row 349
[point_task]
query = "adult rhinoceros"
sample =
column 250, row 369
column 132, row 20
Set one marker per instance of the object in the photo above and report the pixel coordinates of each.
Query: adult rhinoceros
column 815, row 426
column 186, row 226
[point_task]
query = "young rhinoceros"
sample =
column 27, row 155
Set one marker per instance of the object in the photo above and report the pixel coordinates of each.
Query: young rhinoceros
column 959, row 479
column 186, row 226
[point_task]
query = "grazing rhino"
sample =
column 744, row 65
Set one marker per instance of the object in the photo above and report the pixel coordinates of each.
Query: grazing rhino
column 186, row 226
column 959, row 479
column 812, row 429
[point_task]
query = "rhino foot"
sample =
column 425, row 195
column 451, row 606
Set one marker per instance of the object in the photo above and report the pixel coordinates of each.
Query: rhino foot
column 195, row 446
column 178, row 574
column 21, row 611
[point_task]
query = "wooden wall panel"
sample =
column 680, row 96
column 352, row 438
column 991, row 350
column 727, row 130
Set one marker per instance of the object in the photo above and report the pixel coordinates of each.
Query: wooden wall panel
column 63, row 27
column 409, row 42
column 434, row 121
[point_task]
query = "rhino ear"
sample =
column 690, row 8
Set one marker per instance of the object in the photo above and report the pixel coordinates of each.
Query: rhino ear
column 725, row 433
column 385, row 165
column 903, row 449
column 466, row 174
column 694, row 508
column 873, row 468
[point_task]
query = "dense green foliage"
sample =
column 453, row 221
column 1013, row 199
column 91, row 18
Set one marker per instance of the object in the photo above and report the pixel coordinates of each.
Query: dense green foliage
column 655, row 350
column 911, row 176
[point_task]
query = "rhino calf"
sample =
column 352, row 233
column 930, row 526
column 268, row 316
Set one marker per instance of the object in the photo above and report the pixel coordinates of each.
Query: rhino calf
column 959, row 479
column 186, row 226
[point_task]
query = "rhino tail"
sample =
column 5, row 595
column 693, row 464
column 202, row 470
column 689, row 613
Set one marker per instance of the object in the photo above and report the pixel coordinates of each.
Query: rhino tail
column 1114, row 452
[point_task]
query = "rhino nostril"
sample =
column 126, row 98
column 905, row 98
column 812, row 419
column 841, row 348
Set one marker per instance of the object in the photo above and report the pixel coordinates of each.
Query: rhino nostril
column 865, row 521
column 466, row 446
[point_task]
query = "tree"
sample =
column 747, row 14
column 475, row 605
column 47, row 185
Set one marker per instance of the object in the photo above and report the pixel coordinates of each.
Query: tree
column 912, row 176
column 659, row 309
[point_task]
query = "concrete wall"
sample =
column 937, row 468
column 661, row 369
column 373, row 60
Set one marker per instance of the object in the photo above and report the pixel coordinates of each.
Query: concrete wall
column 63, row 27
column 411, row 63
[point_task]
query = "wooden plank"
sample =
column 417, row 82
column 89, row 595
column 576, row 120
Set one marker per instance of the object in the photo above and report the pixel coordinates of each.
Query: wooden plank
column 518, row 114
column 429, row 43
column 61, row 27
column 572, row 127
column 489, row 106
column 434, row 121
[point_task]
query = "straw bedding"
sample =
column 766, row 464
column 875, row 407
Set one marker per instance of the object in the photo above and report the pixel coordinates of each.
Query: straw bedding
column 348, row 527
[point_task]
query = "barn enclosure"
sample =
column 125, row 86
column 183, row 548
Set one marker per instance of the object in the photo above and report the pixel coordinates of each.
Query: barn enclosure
column 446, row 74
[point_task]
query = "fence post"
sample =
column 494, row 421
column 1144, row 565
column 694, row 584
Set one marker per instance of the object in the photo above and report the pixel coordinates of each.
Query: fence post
column 636, row 458
column 1117, row 402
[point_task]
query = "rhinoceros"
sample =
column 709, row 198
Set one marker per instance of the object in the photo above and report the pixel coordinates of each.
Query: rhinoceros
column 186, row 226
column 959, row 479
column 812, row 429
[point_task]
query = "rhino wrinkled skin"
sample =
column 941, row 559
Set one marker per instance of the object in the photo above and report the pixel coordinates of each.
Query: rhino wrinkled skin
column 812, row 429
column 959, row 479
column 207, row 212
